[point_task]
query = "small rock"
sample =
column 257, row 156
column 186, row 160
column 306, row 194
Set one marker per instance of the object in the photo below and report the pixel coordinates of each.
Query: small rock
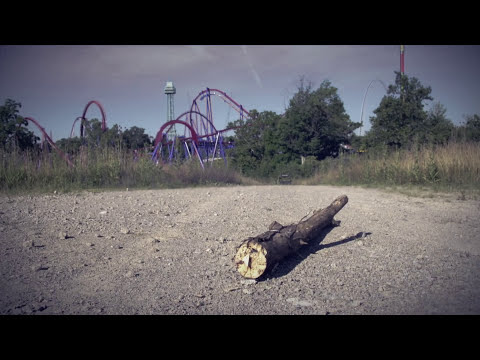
column 39, row 267
column 356, row 303
column 124, row 230
column 248, row 282
column 152, row 240
column 247, row 291
column 232, row 288
column 131, row 274
column 104, row 212
column 16, row 311
column 297, row 302
column 28, row 244
column 39, row 308
column 62, row 235
column 386, row 293
column 89, row 244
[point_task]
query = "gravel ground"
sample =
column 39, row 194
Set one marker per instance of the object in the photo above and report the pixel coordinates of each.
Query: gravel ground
column 171, row 251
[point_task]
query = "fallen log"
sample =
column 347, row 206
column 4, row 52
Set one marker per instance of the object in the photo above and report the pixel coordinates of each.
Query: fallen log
column 256, row 255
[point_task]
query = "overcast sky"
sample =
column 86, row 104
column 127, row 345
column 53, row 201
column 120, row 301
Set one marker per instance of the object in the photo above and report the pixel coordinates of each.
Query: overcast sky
column 54, row 83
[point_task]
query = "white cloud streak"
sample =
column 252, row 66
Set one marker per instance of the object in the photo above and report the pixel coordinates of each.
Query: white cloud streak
column 252, row 69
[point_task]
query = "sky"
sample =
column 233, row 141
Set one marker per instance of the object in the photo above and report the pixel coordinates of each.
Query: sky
column 54, row 83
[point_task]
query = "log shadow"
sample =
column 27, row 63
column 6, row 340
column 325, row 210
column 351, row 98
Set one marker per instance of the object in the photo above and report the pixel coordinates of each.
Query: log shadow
column 289, row 263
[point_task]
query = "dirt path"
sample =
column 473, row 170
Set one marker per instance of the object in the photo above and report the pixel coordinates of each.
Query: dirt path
column 170, row 252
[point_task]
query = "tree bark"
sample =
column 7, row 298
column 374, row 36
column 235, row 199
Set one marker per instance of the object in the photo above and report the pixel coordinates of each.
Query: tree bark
column 256, row 255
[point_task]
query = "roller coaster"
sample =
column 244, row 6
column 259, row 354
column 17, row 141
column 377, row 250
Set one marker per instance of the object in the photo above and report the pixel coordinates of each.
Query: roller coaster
column 200, row 138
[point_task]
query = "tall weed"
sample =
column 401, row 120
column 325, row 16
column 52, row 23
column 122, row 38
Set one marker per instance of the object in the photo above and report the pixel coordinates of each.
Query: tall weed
column 104, row 168
column 454, row 165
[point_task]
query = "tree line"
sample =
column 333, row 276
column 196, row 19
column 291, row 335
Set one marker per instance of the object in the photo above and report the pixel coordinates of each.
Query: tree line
column 401, row 119
column 315, row 125
column 15, row 134
column 313, row 128
column 133, row 138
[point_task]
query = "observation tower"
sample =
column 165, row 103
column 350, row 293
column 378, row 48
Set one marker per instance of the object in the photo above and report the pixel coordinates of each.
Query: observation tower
column 170, row 91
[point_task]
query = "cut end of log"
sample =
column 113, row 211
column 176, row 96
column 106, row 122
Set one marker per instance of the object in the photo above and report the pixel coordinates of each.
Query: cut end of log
column 251, row 260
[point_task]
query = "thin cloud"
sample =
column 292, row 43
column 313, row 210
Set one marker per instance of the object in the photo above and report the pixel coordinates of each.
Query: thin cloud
column 252, row 69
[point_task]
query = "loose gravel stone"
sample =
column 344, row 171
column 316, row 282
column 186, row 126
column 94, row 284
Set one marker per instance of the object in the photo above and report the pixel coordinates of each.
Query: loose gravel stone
column 248, row 282
column 297, row 302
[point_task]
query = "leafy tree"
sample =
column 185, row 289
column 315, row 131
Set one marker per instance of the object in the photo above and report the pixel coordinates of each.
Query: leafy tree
column 313, row 126
column 96, row 137
column 135, row 138
column 92, row 132
column 69, row 145
column 400, row 117
column 113, row 136
column 438, row 126
column 253, row 140
column 472, row 128
column 13, row 128
column 315, row 123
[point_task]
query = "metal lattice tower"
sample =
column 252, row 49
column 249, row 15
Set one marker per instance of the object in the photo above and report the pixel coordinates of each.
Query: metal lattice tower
column 170, row 91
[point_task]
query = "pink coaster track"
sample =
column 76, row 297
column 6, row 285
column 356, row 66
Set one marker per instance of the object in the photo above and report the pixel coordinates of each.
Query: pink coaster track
column 49, row 140
column 83, row 118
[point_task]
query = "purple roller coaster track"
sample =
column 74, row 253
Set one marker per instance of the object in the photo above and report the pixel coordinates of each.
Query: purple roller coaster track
column 200, row 138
